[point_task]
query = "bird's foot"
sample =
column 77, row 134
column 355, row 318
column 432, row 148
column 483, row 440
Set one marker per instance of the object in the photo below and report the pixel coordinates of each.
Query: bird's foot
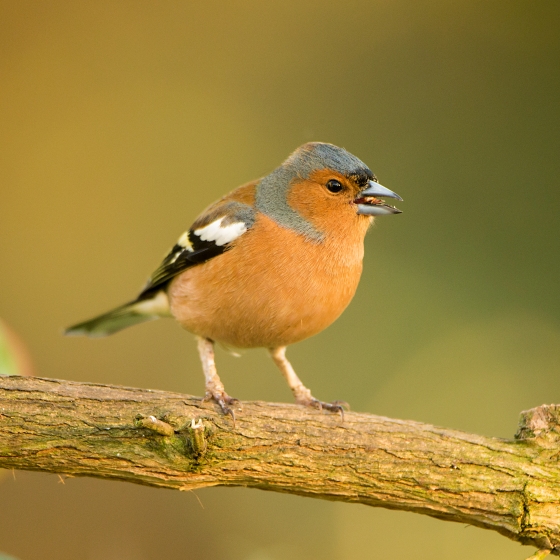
column 224, row 400
column 335, row 406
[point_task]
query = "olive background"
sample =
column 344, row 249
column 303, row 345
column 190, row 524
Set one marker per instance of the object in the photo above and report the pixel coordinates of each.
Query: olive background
column 120, row 121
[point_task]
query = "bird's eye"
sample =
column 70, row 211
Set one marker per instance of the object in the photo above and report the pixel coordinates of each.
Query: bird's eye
column 334, row 186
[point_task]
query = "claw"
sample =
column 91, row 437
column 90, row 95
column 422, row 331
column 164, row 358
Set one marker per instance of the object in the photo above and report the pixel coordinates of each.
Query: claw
column 223, row 400
column 343, row 404
column 229, row 411
column 335, row 406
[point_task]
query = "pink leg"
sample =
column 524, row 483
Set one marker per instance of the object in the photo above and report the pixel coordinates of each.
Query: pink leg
column 301, row 392
column 214, row 386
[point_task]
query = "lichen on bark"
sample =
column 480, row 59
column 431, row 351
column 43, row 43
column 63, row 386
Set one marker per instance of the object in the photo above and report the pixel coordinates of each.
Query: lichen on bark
column 176, row 441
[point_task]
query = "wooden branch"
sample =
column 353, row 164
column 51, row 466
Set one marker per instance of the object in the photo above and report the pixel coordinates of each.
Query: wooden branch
column 175, row 441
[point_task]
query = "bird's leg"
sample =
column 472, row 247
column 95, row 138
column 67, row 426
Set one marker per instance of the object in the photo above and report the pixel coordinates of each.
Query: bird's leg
column 214, row 386
column 301, row 392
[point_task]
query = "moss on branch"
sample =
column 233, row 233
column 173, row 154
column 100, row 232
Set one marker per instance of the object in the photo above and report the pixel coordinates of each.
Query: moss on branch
column 175, row 441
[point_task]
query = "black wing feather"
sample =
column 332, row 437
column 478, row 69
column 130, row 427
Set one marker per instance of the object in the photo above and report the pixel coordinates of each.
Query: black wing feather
column 180, row 257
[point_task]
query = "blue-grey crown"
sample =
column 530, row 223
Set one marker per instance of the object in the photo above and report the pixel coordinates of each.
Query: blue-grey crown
column 318, row 155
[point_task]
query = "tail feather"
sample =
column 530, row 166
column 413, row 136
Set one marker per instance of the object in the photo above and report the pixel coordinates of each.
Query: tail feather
column 127, row 315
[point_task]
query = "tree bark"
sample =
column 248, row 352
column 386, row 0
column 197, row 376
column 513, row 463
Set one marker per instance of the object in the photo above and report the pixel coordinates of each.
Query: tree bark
column 176, row 441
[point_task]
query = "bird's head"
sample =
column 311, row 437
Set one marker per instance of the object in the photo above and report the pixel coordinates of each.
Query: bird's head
column 320, row 185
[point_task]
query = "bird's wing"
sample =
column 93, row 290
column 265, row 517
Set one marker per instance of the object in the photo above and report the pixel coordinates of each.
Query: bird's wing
column 213, row 232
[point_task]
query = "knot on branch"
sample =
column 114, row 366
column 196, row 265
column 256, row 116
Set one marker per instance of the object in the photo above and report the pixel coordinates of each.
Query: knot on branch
column 198, row 438
column 192, row 434
column 154, row 424
column 542, row 423
column 166, row 440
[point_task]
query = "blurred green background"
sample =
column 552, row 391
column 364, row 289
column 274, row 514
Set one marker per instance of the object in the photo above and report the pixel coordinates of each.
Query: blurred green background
column 120, row 121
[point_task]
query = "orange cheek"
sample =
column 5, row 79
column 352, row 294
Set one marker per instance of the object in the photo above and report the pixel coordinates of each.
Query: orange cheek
column 325, row 211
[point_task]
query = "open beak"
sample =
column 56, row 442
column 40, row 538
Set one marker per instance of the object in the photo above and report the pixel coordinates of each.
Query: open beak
column 369, row 200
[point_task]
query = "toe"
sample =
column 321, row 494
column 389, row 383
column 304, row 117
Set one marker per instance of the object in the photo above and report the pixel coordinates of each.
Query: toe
column 224, row 401
column 335, row 406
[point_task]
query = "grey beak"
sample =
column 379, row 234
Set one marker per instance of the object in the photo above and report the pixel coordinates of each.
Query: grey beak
column 375, row 189
column 376, row 208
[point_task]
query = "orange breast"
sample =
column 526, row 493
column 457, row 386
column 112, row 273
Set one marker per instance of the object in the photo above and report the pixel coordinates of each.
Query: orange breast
column 271, row 289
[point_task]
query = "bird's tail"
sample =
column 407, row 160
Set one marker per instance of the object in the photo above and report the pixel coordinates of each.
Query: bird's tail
column 126, row 315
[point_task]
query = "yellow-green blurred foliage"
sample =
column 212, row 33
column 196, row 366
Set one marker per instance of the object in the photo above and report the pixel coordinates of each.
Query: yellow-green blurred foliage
column 120, row 121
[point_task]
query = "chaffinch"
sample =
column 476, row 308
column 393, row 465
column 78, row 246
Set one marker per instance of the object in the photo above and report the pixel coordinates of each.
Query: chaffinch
column 271, row 263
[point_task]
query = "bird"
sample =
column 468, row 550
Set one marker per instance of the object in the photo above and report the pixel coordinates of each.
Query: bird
column 272, row 263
